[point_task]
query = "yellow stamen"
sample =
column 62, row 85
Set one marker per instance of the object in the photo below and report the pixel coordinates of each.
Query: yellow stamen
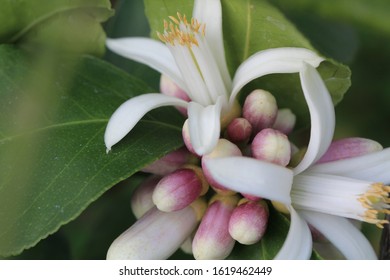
column 376, row 201
column 180, row 30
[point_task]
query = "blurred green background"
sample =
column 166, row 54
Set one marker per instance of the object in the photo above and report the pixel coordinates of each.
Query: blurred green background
column 356, row 33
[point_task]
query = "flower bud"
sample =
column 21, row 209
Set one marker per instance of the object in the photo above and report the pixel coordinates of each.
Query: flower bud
column 212, row 240
column 156, row 236
column 141, row 199
column 168, row 87
column 349, row 147
column 272, row 146
column 249, row 221
column 239, row 131
column 285, row 121
column 260, row 109
column 179, row 189
column 224, row 148
column 170, row 162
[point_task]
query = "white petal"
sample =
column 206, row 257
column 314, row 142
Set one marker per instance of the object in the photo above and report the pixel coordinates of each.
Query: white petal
column 129, row 113
column 371, row 167
column 209, row 12
column 322, row 116
column 278, row 60
column 298, row 244
column 157, row 235
column 345, row 236
column 205, row 126
column 150, row 52
column 251, row 176
column 330, row 194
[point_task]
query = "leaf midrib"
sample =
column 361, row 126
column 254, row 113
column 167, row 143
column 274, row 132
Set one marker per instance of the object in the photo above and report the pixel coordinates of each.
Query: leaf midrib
column 80, row 122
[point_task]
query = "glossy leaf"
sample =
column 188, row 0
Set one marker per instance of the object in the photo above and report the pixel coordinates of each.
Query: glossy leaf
column 250, row 26
column 53, row 161
column 71, row 25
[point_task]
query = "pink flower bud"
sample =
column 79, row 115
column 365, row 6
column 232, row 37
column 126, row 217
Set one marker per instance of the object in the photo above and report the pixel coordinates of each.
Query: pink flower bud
column 249, row 221
column 285, row 121
column 272, row 146
column 224, row 148
column 141, row 199
column 349, row 147
column 157, row 235
column 168, row 87
column 260, row 109
column 170, row 162
column 212, row 240
column 179, row 189
column 239, row 131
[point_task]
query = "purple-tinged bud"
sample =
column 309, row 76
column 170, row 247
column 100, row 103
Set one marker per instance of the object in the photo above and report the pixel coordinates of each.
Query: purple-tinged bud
column 168, row 87
column 224, row 148
column 212, row 240
column 285, row 121
column 156, row 236
column 179, row 189
column 260, row 109
column 141, row 199
column 348, row 148
column 249, row 221
column 170, row 162
column 239, row 131
column 272, row 146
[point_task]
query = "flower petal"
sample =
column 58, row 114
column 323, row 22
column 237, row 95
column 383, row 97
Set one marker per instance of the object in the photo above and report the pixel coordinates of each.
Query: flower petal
column 204, row 125
column 129, row 113
column 371, row 167
column 345, row 236
column 251, row 176
column 277, row 60
column 322, row 116
column 150, row 52
column 157, row 235
column 298, row 244
column 209, row 12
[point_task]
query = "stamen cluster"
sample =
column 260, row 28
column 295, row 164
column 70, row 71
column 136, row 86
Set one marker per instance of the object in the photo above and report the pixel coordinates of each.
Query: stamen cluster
column 181, row 31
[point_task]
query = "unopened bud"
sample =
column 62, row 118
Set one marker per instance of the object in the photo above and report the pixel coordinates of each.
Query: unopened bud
column 212, row 240
column 260, row 109
column 170, row 162
column 239, row 131
column 224, row 148
column 168, row 87
column 348, row 148
column 179, row 189
column 273, row 146
column 248, row 222
column 156, row 236
column 285, row 121
column 141, row 199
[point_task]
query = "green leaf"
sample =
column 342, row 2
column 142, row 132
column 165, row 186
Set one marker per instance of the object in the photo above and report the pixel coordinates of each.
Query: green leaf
column 250, row 26
column 53, row 161
column 58, row 23
column 372, row 15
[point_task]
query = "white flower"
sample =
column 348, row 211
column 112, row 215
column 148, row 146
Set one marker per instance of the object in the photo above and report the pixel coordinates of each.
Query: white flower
column 192, row 55
column 322, row 194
